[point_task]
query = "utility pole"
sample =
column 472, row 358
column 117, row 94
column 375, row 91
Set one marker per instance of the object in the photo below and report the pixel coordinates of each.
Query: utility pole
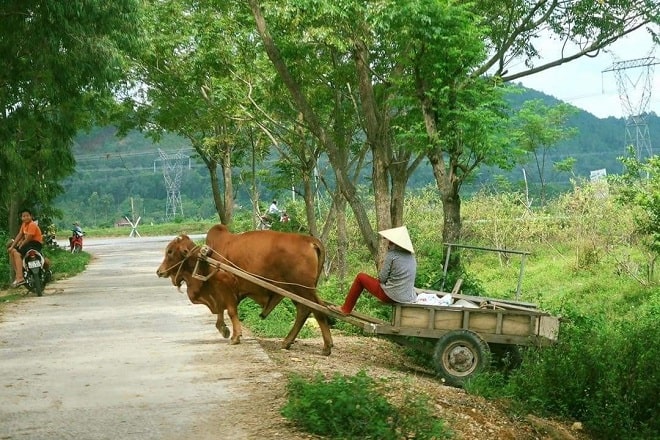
column 172, row 173
column 635, row 95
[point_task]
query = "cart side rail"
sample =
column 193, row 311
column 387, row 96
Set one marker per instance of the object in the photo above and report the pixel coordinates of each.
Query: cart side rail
column 521, row 327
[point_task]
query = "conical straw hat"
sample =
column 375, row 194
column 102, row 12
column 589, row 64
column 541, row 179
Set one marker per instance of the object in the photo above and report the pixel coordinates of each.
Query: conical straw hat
column 399, row 236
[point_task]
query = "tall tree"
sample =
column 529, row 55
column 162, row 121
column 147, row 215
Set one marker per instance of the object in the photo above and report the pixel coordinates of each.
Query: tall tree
column 349, row 79
column 60, row 62
column 188, row 81
column 537, row 128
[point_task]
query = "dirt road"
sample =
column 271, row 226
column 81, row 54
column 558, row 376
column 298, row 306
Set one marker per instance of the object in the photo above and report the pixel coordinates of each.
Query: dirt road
column 116, row 353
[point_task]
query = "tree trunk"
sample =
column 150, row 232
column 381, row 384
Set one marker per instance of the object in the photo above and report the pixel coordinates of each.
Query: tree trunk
column 309, row 195
column 342, row 242
column 375, row 125
column 212, row 166
column 451, row 200
column 227, row 209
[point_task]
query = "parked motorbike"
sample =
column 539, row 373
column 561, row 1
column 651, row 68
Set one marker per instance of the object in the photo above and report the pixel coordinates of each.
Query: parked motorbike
column 35, row 273
column 76, row 240
column 50, row 241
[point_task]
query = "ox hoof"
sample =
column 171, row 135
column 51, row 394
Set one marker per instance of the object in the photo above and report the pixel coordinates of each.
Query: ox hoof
column 224, row 331
column 234, row 341
column 326, row 351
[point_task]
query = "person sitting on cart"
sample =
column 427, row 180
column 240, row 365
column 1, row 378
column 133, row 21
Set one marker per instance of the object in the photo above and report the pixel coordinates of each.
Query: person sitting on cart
column 396, row 278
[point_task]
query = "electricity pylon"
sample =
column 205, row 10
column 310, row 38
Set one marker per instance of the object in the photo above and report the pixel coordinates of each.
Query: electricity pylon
column 172, row 173
column 635, row 95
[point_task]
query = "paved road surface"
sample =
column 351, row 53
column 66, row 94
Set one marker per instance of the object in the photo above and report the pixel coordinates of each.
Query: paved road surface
column 116, row 353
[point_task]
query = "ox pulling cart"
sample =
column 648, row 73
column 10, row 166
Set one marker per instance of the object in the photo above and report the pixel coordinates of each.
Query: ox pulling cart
column 464, row 331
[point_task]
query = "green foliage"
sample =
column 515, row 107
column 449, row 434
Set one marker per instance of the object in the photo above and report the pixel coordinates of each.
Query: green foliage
column 61, row 61
column 5, row 278
column 277, row 324
column 640, row 189
column 65, row 264
column 348, row 407
column 602, row 372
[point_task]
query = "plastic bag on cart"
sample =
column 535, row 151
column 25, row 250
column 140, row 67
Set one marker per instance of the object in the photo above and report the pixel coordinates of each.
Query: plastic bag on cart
column 431, row 299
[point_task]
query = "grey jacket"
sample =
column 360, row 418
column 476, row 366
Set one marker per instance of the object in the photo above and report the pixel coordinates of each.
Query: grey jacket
column 397, row 276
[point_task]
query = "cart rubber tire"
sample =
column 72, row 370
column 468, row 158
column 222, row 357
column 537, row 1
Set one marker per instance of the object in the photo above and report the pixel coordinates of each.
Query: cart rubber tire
column 459, row 355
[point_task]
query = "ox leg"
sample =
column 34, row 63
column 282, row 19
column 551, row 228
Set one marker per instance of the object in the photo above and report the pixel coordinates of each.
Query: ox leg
column 302, row 312
column 322, row 319
column 232, row 311
column 220, row 324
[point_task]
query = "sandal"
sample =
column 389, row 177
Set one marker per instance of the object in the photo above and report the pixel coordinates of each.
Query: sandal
column 16, row 284
column 337, row 309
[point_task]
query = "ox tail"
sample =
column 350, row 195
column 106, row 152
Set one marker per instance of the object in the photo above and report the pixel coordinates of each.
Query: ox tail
column 320, row 256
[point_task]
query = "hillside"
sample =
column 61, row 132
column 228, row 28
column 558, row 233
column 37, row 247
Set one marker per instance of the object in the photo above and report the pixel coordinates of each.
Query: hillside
column 117, row 176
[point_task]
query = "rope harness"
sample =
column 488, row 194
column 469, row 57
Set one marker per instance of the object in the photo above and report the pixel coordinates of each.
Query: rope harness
column 180, row 263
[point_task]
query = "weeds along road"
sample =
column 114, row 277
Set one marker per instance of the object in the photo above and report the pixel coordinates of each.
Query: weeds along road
column 117, row 353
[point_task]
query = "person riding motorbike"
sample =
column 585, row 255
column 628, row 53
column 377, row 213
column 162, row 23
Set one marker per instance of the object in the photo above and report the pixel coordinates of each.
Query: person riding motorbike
column 76, row 237
column 29, row 237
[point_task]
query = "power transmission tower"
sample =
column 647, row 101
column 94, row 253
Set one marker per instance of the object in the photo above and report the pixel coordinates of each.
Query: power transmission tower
column 635, row 95
column 172, row 173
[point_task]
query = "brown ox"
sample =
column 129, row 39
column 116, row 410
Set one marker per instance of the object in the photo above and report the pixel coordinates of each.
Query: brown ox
column 219, row 293
column 287, row 260
column 290, row 261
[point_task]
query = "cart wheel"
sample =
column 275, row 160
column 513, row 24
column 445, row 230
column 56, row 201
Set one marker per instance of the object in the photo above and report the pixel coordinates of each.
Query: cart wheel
column 459, row 355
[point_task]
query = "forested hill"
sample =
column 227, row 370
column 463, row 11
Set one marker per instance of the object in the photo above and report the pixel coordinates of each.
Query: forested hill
column 114, row 173
column 599, row 142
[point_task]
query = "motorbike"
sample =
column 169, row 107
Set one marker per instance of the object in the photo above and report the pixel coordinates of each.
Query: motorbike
column 76, row 240
column 35, row 273
column 50, row 241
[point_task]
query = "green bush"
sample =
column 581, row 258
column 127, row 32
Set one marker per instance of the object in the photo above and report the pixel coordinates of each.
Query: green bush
column 276, row 325
column 5, row 278
column 602, row 372
column 349, row 407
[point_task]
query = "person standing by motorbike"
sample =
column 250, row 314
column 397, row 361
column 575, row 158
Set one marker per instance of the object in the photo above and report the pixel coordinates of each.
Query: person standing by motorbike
column 29, row 237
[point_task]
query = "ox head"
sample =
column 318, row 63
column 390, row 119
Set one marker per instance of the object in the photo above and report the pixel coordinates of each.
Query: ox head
column 177, row 253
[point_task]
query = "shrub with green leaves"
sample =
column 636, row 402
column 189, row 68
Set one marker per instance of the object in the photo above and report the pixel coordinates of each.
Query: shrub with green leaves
column 4, row 261
column 349, row 407
column 602, row 372
column 276, row 325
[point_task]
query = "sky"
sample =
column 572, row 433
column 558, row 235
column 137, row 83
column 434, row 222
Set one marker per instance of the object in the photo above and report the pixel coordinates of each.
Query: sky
column 583, row 84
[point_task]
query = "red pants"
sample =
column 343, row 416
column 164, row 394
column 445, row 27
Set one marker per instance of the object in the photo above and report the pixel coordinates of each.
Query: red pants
column 364, row 282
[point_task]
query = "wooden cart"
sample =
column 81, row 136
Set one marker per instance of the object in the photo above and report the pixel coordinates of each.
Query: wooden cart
column 462, row 334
